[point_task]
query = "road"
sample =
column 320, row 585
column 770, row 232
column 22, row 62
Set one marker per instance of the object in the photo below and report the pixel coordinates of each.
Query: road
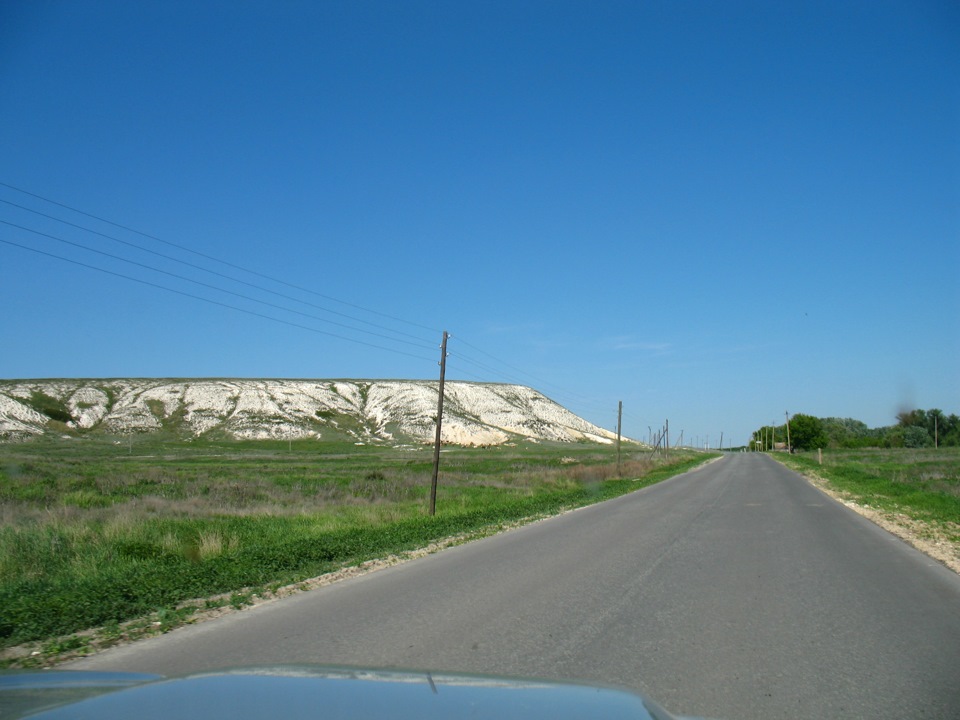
column 735, row 591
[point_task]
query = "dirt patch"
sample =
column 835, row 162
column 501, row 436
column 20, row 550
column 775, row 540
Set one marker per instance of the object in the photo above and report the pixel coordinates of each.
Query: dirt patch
column 928, row 538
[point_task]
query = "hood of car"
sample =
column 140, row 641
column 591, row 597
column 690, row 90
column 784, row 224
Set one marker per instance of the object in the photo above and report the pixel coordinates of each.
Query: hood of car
column 294, row 692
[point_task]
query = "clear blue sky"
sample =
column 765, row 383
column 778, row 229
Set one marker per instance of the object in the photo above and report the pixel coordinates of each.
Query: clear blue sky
column 715, row 212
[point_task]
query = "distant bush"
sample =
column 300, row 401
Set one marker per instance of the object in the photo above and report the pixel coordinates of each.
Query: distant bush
column 908, row 437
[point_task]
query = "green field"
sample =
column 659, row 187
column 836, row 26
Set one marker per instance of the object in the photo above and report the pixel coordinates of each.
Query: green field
column 94, row 532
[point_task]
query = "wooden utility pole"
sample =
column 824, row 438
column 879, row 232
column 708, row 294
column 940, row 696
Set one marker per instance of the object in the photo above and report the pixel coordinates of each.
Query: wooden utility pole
column 789, row 449
column 666, row 432
column 436, row 444
column 619, row 418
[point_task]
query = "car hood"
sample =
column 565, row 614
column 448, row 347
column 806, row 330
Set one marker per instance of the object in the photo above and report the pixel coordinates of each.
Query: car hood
column 294, row 692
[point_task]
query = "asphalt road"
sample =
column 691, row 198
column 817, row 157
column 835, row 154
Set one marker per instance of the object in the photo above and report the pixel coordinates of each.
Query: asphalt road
column 734, row 591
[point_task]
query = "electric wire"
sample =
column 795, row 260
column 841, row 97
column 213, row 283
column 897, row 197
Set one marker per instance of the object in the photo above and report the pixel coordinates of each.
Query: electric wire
column 555, row 390
column 152, row 237
column 464, row 357
column 218, row 260
column 206, row 270
column 481, row 365
column 539, row 380
column 209, row 300
column 208, row 285
column 561, row 395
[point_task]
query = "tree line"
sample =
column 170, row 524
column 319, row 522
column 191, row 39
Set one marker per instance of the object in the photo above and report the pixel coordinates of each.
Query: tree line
column 914, row 429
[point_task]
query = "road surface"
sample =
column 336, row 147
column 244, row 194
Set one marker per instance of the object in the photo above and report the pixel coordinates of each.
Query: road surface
column 735, row 591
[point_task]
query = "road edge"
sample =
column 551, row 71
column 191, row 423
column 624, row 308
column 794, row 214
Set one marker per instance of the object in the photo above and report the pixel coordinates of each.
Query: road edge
column 925, row 537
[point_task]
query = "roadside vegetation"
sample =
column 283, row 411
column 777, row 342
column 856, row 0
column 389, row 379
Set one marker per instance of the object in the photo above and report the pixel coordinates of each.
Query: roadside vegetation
column 100, row 532
column 914, row 429
column 916, row 489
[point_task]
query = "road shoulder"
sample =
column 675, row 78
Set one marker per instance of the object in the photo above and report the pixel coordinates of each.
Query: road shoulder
column 928, row 538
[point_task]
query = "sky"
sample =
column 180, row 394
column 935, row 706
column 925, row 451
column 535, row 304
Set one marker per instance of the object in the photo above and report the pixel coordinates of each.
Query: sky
column 715, row 213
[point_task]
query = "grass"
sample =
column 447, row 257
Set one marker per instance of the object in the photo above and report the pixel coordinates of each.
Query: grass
column 921, row 484
column 98, row 533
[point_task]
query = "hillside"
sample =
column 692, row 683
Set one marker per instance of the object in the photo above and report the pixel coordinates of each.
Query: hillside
column 367, row 411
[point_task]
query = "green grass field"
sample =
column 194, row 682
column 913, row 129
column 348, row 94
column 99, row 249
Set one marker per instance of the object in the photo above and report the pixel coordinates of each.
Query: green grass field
column 98, row 532
column 924, row 481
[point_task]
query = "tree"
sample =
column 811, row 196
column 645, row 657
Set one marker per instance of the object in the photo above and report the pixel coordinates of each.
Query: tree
column 914, row 429
column 916, row 437
column 806, row 432
column 910, row 418
column 846, row 432
column 950, row 434
column 937, row 426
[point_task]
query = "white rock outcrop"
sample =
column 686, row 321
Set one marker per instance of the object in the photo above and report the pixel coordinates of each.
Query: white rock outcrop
column 369, row 411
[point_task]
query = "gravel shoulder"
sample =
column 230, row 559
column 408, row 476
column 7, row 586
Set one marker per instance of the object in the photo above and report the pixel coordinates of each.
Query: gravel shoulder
column 928, row 538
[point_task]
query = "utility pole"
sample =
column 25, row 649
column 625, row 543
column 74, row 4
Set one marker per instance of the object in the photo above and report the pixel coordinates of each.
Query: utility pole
column 619, row 418
column 436, row 444
column 789, row 448
column 721, row 441
column 666, row 430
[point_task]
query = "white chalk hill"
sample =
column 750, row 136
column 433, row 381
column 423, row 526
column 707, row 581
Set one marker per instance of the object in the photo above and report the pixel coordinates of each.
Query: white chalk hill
column 387, row 411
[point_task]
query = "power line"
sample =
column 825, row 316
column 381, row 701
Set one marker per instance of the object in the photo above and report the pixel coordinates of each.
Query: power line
column 210, row 301
column 215, row 259
column 199, row 267
column 207, row 285
column 560, row 395
column 462, row 356
column 264, row 316
column 481, row 365
column 541, row 382
column 422, row 343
